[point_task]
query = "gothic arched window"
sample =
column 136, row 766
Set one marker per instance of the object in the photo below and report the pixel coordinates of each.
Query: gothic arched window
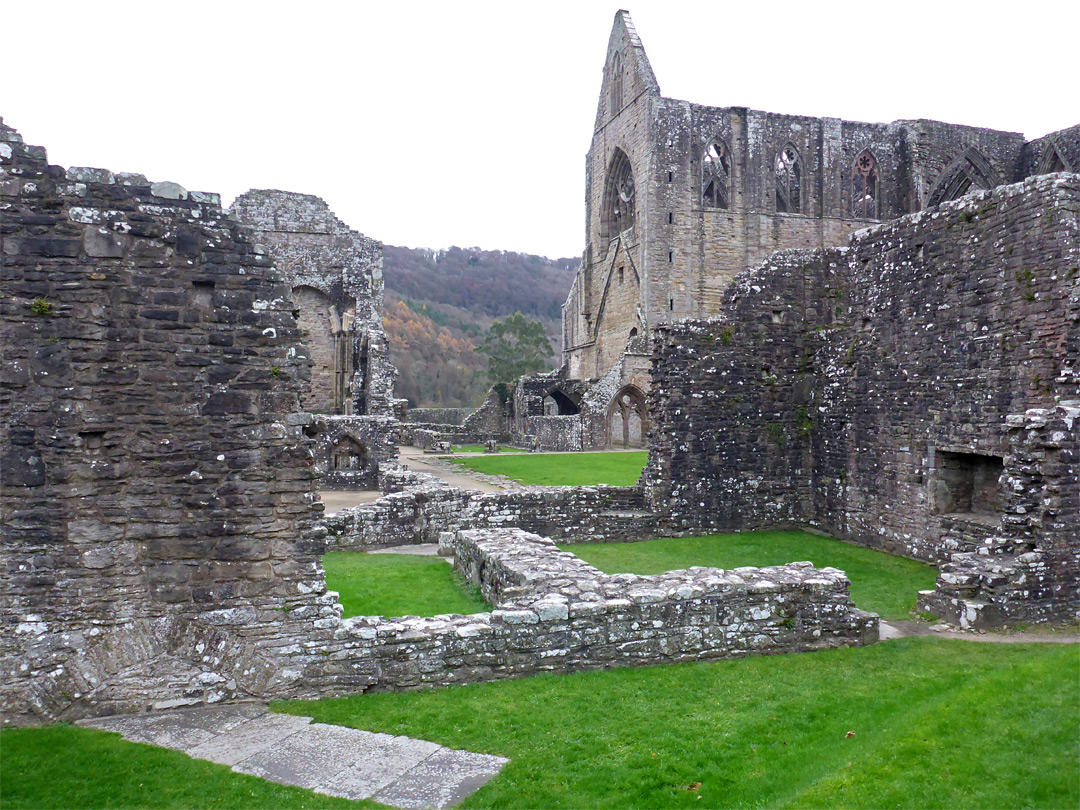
column 788, row 170
column 864, row 186
column 616, row 81
column 619, row 192
column 716, row 175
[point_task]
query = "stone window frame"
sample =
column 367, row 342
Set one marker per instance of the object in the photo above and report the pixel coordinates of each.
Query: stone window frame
column 788, row 173
column 716, row 166
column 865, row 202
column 618, row 212
column 616, row 84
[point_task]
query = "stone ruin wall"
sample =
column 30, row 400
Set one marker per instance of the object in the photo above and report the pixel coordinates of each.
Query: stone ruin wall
column 337, row 292
column 555, row 613
column 423, row 507
column 840, row 385
column 158, row 520
column 161, row 543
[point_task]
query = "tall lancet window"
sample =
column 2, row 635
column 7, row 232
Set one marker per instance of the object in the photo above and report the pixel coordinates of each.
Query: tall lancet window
column 716, row 175
column 788, row 170
column 864, row 186
column 616, row 83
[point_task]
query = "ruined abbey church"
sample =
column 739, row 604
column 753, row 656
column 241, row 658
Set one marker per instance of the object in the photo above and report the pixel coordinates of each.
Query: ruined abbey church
column 681, row 198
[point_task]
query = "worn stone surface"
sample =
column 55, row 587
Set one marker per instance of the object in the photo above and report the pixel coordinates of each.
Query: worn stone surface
column 682, row 197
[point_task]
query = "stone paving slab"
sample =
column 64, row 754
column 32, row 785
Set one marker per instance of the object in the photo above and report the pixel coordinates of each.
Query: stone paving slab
column 291, row 750
column 249, row 739
column 441, row 780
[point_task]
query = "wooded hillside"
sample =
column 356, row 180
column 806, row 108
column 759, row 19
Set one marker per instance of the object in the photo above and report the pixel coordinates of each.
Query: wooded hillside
column 439, row 305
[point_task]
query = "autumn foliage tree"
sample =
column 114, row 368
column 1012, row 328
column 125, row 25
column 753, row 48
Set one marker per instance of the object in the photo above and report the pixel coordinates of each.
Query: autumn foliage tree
column 515, row 346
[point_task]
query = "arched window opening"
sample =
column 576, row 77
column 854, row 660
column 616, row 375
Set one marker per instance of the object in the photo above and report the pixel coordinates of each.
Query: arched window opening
column 619, row 193
column 628, row 421
column 348, row 454
column 616, row 83
column 788, row 170
column 556, row 403
column 967, row 173
column 716, row 175
column 864, row 186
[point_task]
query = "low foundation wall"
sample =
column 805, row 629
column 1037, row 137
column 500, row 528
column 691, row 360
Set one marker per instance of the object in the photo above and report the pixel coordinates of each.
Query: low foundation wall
column 421, row 513
column 557, row 613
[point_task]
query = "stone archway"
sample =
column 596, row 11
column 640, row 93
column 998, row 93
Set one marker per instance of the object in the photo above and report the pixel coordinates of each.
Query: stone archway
column 628, row 419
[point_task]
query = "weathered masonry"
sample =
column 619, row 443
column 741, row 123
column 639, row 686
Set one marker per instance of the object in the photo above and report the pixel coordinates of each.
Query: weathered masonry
column 335, row 275
column 917, row 391
column 681, row 197
column 161, row 543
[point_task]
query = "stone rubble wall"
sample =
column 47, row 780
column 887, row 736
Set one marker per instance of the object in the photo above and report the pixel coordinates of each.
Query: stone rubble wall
column 375, row 436
column 317, row 250
column 421, row 510
column 556, row 613
column 837, row 380
column 454, row 417
column 156, row 504
column 1029, row 569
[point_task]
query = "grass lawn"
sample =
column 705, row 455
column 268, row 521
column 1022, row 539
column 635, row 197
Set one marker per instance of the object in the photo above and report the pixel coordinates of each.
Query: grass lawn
column 563, row 469
column 880, row 583
column 398, row 585
column 67, row 767
column 911, row 723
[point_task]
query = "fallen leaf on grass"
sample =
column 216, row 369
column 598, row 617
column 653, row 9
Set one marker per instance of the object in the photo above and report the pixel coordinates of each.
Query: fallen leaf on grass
column 694, row 786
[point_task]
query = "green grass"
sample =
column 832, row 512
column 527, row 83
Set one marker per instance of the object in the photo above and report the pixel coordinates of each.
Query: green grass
column 398, row 585
column 67, row 767
column 880, row 583
column 933, row 722
column 476, row 448
column 563, row 469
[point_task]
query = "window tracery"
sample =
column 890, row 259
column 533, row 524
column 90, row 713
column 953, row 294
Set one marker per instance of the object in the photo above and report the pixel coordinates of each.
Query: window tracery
column 716, row 175
column 788, row 169
column 619, row 202
column 864, row 186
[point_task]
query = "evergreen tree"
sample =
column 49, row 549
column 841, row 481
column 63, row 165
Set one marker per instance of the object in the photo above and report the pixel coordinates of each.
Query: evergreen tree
column 515, row 347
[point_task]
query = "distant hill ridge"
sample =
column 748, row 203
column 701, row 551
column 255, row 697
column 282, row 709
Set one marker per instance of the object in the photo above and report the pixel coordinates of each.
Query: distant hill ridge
column 494, row 283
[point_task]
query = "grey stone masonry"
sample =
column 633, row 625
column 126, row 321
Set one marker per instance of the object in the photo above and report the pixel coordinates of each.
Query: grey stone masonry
column 556, row 613
column 157, row 506
column 1028, row 568
column 337, row 291
column 424, row 509
column 870, row 391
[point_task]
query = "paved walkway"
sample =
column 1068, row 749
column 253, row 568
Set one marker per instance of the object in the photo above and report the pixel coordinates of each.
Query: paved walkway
column 291, row 750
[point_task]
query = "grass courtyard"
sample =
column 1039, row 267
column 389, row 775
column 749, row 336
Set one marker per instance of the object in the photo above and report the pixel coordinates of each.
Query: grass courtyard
column 911, row 723
column 620, row 469
column 398, row 585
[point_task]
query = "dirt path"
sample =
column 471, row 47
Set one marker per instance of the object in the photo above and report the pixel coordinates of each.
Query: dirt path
column 899, row 629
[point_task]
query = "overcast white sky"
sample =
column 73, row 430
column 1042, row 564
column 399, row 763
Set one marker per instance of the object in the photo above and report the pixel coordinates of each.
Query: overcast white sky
column 431, row 124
